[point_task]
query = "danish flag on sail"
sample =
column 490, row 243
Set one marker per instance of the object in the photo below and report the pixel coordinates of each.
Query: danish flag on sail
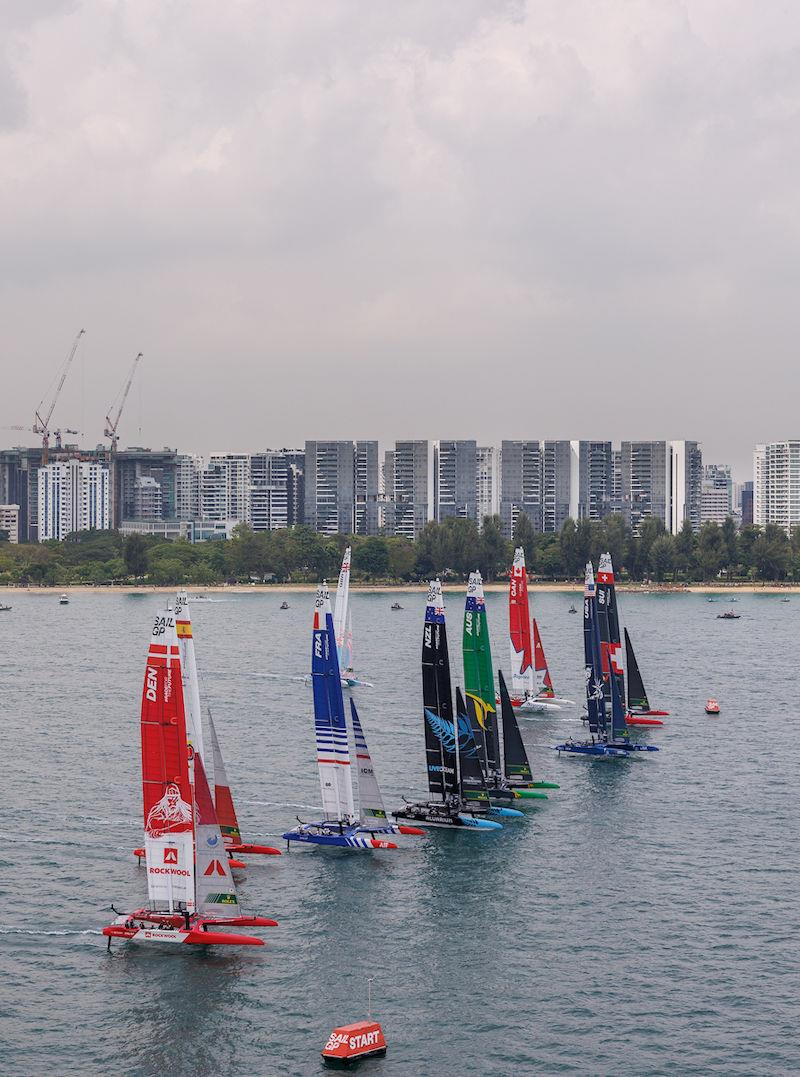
column 166, row 790
column 522, row 671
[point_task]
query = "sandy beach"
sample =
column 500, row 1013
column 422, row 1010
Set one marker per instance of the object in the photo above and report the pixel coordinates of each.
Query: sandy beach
column 308, row 588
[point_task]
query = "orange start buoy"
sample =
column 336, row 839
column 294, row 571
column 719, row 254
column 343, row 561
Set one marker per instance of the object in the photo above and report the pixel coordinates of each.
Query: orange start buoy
column 346, row 1044
column 712, row 707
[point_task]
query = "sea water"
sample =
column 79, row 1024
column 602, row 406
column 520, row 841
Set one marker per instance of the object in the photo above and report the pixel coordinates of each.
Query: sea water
column 641, row 921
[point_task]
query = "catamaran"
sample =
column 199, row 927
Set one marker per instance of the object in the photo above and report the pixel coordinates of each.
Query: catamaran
column 191, row 889
column 343, row 627
column 342, row 824
column 203, row 740
column 525, row 691
column 455, row 778
column 609, row 733
column 611, row 647
column 481, row 708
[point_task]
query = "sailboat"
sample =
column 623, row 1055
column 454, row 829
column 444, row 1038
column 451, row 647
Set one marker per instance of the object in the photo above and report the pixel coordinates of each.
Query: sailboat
column 480, row 704
column 609, row 734
column 190, row 887
column 611, row 644
column 544, row 682
column 341, row 825
column 203, row 740
column 638, row 704
column 524, row 689
column 455, row 779
column 343, row 627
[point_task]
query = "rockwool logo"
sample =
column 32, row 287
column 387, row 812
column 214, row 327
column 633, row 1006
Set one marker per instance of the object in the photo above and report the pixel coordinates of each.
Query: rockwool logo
column 215, row 868
column 170, row 856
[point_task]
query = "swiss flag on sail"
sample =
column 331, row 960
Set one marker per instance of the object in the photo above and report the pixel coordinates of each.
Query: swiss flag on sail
column 170, row 856
column 214, row 868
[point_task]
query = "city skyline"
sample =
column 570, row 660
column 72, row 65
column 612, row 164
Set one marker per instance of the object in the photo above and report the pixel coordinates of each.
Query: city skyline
column 494, row 210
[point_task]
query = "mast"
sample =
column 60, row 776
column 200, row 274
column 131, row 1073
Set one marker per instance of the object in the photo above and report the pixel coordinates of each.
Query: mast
column 166, row 790
column 437, row 699
column 341, row 611
column 516, row 767
column 191, row 683
column 479, row 675
column 333, row 748
column 611, row 649
column 522, row 672
column 595, row 702
column 637, row 696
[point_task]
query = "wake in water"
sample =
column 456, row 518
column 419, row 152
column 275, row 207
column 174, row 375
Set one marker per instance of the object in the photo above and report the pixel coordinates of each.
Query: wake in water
column 38, row 931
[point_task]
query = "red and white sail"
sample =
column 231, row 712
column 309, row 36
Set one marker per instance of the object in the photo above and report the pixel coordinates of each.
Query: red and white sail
column 166, row 789
column 342, row 625
column 223, row 798
column 191, row 683
column 544, row 683
column 215, row 888
column 523, row 677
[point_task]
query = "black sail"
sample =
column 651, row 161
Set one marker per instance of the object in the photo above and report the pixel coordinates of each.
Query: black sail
column 637, row 696
column 437, row 699
column 516, row 767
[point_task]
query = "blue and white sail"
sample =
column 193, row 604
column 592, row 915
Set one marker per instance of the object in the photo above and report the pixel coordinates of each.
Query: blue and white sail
column 333, row 748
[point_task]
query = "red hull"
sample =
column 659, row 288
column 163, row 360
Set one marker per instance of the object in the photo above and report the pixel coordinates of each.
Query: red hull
column 637, row 719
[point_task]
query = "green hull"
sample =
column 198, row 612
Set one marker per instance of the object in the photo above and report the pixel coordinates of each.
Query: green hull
column 546, row 785
column 529, row 794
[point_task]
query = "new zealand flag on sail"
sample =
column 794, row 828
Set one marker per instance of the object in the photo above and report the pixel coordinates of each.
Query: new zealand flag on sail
column 444, row 731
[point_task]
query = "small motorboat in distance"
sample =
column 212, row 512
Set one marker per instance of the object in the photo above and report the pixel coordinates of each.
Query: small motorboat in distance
column 284, row 605
column 64, row 600
column 4, row 609
column 397, row 606
column 572, row 610
column 729, row 615
column 786, row 599
column 712, row 707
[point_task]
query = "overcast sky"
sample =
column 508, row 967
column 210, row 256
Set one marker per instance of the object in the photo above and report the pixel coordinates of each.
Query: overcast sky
column 403, row 218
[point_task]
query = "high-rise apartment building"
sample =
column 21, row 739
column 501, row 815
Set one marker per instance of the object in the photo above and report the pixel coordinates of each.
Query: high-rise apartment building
column 330, row 486
column 747, row 503
column 776, row 484
column 645, row 481
column 686, row 477
column 366, row 486
column 269, row 491
column 592, row 481
column 73, row 496
column 135, row 463
column 760, row 485
column 147, row 499
column 520, row 484
column 9, row 522
column 487, row 480
column 233, row 494
column 188, row 469
column 556, row 484
column 405, row 474
column 455, row 487
column 716, row 494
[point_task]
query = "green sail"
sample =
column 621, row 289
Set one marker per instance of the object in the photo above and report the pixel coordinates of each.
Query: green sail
column 479, row 674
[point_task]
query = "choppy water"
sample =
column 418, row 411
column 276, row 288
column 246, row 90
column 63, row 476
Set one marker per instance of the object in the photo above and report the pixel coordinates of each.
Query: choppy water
column 642, row 921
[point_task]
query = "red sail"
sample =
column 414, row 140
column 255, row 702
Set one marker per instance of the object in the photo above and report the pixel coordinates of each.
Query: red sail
column 518, row 614
column 543, row 681
column 166, row 792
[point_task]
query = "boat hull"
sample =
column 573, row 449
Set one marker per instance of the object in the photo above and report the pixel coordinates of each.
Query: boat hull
column 599, row 750
column 436, row 814
column 142, row 927
column 346, row 837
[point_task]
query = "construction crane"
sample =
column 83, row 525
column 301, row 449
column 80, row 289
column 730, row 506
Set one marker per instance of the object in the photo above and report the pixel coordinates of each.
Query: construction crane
column 111, row 424
column 42, row 425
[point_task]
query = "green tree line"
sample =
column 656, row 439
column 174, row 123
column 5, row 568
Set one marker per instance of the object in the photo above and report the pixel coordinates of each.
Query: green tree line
column 450, row 550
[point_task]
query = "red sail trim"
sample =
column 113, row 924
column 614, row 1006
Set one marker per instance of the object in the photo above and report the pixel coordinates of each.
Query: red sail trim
column 226, row 815
column 519, row 625
column 165, row 762
column 541, row 663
